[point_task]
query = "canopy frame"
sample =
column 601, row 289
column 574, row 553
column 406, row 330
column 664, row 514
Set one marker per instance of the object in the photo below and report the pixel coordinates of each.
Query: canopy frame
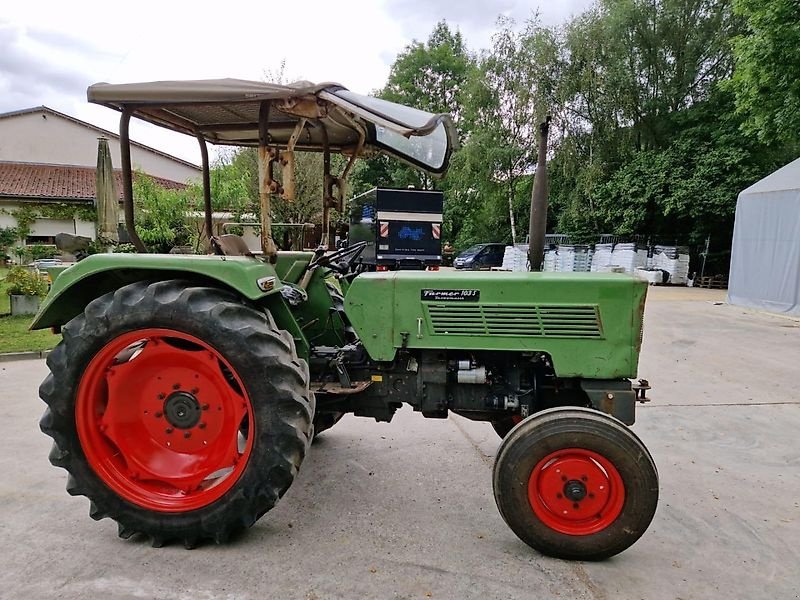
column 278, row 120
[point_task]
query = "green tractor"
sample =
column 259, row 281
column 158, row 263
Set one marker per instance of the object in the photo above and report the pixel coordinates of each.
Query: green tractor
column 187, row 390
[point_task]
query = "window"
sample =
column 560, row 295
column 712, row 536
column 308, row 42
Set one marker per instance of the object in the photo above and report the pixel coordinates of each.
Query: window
column 40, row 239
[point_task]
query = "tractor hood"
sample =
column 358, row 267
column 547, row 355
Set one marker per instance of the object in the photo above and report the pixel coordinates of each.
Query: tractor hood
column 227, row 111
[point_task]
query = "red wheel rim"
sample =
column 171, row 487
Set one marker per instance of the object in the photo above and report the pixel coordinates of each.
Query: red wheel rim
column 576, row 491
column 164, row 420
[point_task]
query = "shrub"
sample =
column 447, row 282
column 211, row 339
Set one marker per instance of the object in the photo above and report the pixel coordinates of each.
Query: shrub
column 38, row 251
column 24, row 282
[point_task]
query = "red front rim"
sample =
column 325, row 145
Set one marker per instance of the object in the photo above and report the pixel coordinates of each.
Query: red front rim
column 576, row 491
column 164, row 420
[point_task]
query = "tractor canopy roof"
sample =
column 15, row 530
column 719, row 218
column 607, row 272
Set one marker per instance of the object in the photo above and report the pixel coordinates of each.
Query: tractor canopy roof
column 302, row 115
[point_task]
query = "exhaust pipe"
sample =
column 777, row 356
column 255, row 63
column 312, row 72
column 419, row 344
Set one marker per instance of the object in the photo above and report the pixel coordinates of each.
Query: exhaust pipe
column 538, row 223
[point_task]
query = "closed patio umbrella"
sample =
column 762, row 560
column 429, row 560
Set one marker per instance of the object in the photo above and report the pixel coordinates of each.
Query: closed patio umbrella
column 107, row 197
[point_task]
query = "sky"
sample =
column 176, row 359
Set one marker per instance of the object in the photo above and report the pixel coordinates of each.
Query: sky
column 51, row 50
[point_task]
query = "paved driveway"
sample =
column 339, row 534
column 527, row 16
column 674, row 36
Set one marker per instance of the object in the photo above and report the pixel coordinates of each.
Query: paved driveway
column 405, row 510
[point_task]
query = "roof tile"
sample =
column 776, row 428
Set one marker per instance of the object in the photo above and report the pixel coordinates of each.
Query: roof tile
column 35, row 180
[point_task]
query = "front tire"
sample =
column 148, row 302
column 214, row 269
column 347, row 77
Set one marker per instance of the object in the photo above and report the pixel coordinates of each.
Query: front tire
column 178, row 411
column 575, row 483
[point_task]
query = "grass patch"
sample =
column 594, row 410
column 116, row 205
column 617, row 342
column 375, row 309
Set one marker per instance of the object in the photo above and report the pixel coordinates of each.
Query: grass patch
column 15, row 337
column 5, row 301
column 14, row 334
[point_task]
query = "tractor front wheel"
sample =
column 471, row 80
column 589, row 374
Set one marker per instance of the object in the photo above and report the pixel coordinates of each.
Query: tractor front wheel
column 180, row 412
column 575, row 483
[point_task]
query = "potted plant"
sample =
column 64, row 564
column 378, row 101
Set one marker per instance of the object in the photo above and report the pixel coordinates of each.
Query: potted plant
column 26, row 289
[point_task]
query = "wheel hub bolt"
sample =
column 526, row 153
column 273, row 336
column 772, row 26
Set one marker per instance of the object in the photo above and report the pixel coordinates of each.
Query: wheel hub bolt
column 187, row 434
column 182, row 410
column 168, row 430
column 575, row 490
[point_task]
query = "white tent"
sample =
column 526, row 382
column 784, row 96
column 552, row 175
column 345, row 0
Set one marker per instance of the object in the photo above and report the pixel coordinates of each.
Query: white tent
column 765, row 259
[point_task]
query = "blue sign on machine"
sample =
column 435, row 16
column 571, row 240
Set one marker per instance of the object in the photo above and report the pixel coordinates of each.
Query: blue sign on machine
column 410, row 233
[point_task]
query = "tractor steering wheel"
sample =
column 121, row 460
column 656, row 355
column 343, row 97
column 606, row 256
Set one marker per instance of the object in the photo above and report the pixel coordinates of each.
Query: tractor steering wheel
column 341, row 260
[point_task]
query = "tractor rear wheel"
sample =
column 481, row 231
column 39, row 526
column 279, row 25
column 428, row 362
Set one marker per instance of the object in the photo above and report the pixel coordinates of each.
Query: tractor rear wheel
column 575, row 483
column 177, row 410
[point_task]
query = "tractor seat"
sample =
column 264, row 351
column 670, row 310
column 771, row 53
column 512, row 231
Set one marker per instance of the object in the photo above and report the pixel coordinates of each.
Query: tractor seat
column 231, row 245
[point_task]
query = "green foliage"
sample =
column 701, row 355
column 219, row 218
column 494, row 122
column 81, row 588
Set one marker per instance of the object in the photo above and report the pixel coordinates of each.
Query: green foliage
column 161, row 214
column 24, row 282
column 432, row 76
column 38, row 251
column 66, row 211
column 25, row 216
column 22, row 253
column 234, row 184
column 8, row 235
column 767, row 76
column 15, row 336
column 510, row 92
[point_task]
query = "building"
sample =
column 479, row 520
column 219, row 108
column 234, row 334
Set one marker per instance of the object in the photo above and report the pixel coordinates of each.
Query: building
column 47, row 171
column 765, row 258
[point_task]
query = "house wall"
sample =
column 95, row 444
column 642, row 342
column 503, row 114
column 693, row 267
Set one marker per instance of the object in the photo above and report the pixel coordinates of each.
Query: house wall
column 42, row 137
column 46, row 227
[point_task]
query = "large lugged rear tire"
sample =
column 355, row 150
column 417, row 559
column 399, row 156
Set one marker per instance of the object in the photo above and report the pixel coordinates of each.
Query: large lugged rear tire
column 178, row 411
column 575, row 483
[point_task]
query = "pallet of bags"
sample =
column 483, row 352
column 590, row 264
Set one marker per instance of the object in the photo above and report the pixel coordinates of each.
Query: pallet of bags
column 515, row 258
column 574, row 258
column 629, row 257
column 674, row 260
column 601, row 258
column 550, row 260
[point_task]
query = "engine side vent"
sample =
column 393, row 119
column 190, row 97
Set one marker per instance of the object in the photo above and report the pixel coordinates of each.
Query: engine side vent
column 532, row 320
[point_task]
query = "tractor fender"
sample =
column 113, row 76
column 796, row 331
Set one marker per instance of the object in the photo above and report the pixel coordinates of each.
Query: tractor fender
column 99, row 274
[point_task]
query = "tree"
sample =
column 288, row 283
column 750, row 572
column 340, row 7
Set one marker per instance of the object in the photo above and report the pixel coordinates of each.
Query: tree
column 514, row 87
column 686, row 190
column 8, row 236
column 766, row 80
column 162, row 214
column 430, row 76
column 235, row 186
column 633, row 67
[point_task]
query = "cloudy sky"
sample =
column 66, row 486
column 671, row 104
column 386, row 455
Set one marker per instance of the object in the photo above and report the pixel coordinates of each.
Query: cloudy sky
column 51, row 50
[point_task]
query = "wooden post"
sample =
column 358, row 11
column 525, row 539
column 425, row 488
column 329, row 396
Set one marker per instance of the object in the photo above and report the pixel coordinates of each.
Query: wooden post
column 265, row 183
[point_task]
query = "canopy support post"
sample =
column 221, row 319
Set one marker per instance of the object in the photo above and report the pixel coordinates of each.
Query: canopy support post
column 206, row 186
column 328, row 182
column 127, row 179
column 265, row 182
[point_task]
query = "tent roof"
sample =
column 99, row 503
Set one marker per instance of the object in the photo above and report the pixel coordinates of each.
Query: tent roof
column 227, row 111
column 785, row 178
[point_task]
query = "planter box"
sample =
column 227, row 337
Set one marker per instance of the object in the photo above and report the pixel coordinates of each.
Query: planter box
column 25, row 305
